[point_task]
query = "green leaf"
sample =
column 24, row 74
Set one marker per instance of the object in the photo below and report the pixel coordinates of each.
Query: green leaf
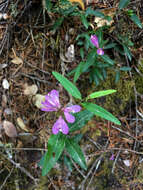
column 84, row 21
column 76, row 153
column 104, row 73
column 98, row 74
column 96, row 80
column 68, row 163
column 56, row 144
column 117, row 76
column 81, row 119
column 136, row 20
column 109, row 46
column 77, row 137
column 100, row 93
column 48, row 5
column 90, row 59
column 82, row 53
column 69, row 86
column 125, row 68
column 78, row 71
column 99, row 111
column 123, row 3
column 127, row 52
column 58, row 23
column 90, row 11
column 107, row 59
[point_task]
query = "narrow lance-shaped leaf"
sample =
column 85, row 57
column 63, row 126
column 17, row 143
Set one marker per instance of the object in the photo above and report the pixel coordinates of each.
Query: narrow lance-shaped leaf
column 76, row 153
column 124, row 68
column 99, row 111
column 78, row 71
column 136, row 20
column 56, row 145
column 127, row 52
column 69, row 86
column 84, row 21
column 81, row 119
column 123, row 3
column 107, row 59
column 68, row 163
column 100, row 93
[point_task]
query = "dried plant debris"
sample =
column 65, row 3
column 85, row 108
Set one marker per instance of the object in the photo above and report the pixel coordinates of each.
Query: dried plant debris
column 5, row 84
column 30, row 90
column 9, row 128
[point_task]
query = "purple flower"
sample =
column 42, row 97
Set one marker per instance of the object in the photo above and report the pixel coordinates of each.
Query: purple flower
column 60, row 125
column 100, row 51
column 52, row 103
column 112, row 157
column 72, row 109
column 94, row 41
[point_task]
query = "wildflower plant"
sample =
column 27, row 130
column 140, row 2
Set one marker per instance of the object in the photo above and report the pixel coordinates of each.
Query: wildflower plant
column 97, row 61
column 52, row 103
column 72, row 118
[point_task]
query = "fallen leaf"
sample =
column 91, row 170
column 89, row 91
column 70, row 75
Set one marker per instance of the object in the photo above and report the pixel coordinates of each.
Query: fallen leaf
column 4, row 100
column 70, row 55
column 5, row 84
column 80, row 2
column 9, row 129
column 2, row 66
column 21, row 124
column 101, row 21
column 127, row 162
column 8, row 111
column 37, row 99
column 17, row 61
column 30, row 90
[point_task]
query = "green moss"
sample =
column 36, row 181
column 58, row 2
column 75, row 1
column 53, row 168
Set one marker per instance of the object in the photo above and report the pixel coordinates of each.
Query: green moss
column 138, row 78
column 117, row 102
column 104, row 179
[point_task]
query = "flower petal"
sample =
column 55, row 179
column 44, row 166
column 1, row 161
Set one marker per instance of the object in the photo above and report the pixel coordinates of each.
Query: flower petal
column 70, row 118
column 60, row 125
column 73, row 109
column 64, row 128
column 94, row 40
column 100, row 51
column 53, row 98
column 55, row 128
column 47, row 107
column 51, row 102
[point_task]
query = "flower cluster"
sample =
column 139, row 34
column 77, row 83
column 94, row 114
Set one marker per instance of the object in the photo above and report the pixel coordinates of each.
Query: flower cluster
column 52, row 103
column 94, row 41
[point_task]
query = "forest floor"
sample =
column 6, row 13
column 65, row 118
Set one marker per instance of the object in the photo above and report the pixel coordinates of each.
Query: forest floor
column 29, row 52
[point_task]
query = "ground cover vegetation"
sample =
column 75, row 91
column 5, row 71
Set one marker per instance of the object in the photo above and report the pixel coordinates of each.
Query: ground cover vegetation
column 71, row 92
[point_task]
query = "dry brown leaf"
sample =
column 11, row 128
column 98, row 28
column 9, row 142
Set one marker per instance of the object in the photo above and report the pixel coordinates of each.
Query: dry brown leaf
column 37, row 99
column 21, row 124
column 17, row 60
column 9, row 129
column 30, row 90
column 80, row 2
column 101, row 21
